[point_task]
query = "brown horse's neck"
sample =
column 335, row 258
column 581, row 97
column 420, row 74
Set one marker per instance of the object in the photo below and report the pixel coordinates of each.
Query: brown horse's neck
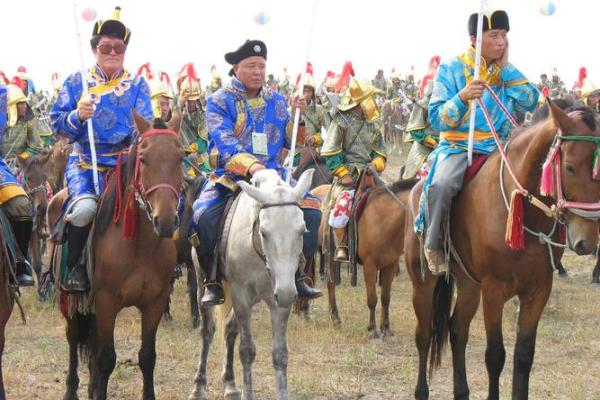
column 529, row 151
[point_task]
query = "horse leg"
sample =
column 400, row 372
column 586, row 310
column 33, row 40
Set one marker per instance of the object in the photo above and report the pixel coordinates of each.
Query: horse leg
column 529, row 316
column 279, row 320
column 105, row 357
column 72, row 377
column 495, row 354
column 467, row 302
column 333, row 309
column 422, row 299
column 192, row 289
column 247, row 349
column 370, row 273
column 387, row 277
column 596, row 271
column 228, row 377
column 151, row 316
column 208, row 332
column 167, row 309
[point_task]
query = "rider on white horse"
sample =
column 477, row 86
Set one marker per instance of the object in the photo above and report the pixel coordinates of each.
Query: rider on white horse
column 247, row 125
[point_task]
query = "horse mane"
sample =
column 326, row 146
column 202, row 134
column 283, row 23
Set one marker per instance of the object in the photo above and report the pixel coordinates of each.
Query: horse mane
column 398, row 186
column 108, row 200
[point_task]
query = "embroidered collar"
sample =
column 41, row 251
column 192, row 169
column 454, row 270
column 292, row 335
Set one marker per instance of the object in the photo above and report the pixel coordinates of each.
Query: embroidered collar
column 489, row 74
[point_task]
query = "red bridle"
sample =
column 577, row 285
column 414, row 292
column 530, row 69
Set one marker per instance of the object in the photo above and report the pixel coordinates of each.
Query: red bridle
column 138, row 189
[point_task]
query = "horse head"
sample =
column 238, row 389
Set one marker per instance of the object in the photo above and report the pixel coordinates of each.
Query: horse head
column 35, row 182
column 158, row 173
column 576, row 171
column 280, row 224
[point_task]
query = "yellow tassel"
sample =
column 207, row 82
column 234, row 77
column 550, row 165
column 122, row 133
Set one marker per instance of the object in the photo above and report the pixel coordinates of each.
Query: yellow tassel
column 117, row 14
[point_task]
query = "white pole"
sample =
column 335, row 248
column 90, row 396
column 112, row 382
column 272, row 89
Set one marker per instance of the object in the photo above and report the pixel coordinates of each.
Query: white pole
column 301, row 89
column 475, row 77
column 84, row 95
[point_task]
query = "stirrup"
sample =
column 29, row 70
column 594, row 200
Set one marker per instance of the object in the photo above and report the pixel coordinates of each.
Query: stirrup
column 341, row 259
column 213, row 294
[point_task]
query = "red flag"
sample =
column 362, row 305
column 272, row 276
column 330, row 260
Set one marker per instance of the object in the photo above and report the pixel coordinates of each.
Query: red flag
column 4, row 78
column 581, row 78
column 434, row 63
column 309, row 68
column 164, row 77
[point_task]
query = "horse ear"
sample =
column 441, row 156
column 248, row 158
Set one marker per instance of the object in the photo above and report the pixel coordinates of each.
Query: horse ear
column 560, row 118
column 254, row 192
column 141, row 124
column 45, row 157
column 22, row 161
column 174, row 123
column 303, row 184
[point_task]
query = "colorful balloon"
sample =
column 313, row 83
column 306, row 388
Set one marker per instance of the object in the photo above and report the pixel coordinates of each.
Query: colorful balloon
column 261, row 18
column 88, row 14
column 548, row 9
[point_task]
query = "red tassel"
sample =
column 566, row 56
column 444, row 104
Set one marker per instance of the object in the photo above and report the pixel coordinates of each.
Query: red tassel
column 130, row 218
column 515, row 232
column 547, row 182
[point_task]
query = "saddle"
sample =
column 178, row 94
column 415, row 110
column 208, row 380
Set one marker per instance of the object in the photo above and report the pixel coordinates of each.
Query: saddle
column 219, row 257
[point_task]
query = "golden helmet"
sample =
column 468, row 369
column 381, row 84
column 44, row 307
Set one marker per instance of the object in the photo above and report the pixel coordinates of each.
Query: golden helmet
column 158, row 88
column 589, row 89
column 307, row 80
column 15, row 96
column 191, row 88
column 360, row 92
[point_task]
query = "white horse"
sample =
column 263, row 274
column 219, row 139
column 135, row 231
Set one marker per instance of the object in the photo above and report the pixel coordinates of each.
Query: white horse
column 257, row 270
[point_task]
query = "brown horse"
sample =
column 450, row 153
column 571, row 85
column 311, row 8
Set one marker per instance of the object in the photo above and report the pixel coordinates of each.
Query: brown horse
column 6, row 300
column 490, row 269
column 133, row 259
column 394, row 121
column 58, row 163
column 380, row 234
column 34, row 178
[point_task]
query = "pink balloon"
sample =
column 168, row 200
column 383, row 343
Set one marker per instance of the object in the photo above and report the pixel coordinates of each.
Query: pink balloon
column 89, row 14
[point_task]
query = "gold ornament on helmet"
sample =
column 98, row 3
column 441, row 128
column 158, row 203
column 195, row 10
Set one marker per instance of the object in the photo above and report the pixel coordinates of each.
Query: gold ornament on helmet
column 361, row 93
column 15, row 96
column 307, row 80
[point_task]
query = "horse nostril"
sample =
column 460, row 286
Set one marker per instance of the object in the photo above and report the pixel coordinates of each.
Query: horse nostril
column 581, row 247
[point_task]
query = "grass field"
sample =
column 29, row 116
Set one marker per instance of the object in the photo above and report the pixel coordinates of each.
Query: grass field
column 325, row 362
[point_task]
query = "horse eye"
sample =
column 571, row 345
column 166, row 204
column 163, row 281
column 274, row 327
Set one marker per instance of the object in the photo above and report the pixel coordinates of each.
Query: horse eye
column 570, row 169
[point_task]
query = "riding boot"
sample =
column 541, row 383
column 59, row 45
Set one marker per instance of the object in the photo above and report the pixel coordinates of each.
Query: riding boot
column 341, row 244
column 22, row 232
column 76, row 239
column 302, row 287
column 213, row 289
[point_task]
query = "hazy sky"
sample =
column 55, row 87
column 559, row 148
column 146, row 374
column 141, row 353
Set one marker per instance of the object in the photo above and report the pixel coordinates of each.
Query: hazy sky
column 371, row 33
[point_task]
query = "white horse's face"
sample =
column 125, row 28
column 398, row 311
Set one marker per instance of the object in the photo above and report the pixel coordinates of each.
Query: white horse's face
column 281, row 228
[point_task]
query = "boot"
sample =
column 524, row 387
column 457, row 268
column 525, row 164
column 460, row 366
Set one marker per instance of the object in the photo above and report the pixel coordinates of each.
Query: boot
column 213, row 289
column 22, row 232
column 436, row 262
column 303, row 289
column 341, row 248
column 76, row 239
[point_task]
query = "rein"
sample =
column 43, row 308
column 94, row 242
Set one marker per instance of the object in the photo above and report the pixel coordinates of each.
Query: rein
column 256, row 237
column 138, row 192
column 515, row 237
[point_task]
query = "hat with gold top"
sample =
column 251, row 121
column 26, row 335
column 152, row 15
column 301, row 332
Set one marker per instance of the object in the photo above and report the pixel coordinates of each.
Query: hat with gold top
column 360, row 92
column 15, row 96
column 190, row 84
column 112, row 27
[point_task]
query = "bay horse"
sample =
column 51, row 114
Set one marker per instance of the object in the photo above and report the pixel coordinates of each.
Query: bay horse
column 380, row 232
column 133, row 255
column 34, row 179
column 490, row 269
column 261, row 257
column 7, row 300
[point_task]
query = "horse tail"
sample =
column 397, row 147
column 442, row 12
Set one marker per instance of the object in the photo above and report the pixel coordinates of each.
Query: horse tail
column 86, row 325
column 223, row 311
column 442, row 304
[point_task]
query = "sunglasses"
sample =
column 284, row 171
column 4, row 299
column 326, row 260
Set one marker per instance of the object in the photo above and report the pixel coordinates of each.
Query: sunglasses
column 108, row 48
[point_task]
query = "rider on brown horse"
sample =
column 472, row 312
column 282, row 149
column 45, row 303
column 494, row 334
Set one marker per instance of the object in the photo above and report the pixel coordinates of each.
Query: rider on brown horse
column 354, row 141
column 15, row 203
column 247, row 124
column 590, row 94
column 454, row 88
column 108, row 104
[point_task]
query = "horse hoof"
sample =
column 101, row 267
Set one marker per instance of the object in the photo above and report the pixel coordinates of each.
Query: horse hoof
column 387, row 333
column 373, row 334
column 595, row 284
column 199, row 393
column 232, row 394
